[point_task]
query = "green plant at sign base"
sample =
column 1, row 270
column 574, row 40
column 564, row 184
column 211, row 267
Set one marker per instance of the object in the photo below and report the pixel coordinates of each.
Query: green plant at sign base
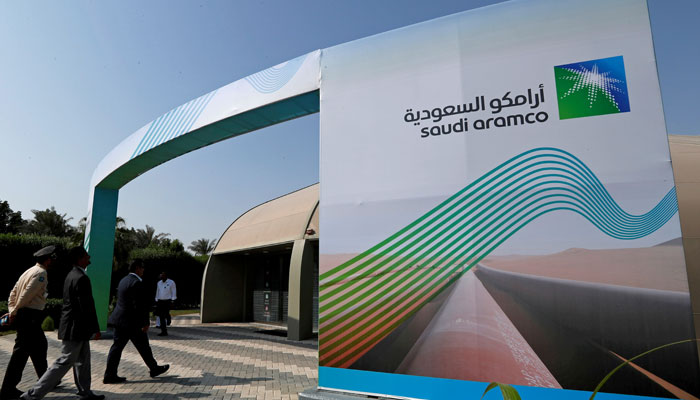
column 602, row 382
column 508, row 392
column 48, row 324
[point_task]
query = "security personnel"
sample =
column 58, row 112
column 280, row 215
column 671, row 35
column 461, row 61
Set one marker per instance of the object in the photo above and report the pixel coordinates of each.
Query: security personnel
column 26, row 312
column 166, row 294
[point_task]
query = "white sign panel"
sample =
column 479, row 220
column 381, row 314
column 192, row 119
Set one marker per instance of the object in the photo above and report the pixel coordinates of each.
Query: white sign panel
column 477, row 168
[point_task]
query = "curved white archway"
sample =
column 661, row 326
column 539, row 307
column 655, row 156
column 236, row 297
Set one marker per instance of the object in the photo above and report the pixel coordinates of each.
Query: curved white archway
column 280, row 93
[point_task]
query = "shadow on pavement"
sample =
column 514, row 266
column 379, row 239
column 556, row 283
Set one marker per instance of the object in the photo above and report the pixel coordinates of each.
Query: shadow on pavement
column 211, row 380
column 235, row 333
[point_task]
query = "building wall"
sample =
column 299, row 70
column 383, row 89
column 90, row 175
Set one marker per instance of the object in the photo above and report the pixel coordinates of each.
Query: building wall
column 223, row 290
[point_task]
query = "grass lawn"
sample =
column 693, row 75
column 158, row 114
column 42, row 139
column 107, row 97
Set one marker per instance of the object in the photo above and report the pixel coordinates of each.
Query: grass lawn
column 184, row 312
column 175, row 313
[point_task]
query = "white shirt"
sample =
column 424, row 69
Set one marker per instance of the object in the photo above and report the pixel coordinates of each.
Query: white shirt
column 166, row 290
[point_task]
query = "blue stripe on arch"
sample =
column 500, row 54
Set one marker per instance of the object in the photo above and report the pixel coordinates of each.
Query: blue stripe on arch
column 201, row 108
column 274, row 78
column 165, row 129
column 147, row 135
column 147, row 140
column 195, row 110
column 189, row 111
column 172, row 124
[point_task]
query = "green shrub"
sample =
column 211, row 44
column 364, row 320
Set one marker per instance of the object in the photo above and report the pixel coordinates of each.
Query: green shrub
column 203, row 258
column 47, row 325
column 16, row 253
column 53, row 309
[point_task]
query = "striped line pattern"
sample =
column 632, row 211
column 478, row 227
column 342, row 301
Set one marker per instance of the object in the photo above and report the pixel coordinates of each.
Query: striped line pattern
column 273, row 79
column 366, row 298
column 88, row 220
column 173, row 124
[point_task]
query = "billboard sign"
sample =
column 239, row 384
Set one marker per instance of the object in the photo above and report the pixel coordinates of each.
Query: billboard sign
column 497, row 204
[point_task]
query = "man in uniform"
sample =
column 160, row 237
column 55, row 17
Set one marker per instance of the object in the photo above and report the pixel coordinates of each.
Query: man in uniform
column 26, row 312
column 78, row 325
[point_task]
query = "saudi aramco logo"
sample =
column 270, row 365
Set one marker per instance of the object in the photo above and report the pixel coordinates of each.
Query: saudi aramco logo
column 594, row 87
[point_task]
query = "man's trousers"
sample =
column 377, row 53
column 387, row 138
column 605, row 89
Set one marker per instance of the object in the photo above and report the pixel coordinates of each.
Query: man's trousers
column 75, row 354
column 163, row 313
column 29, row 343
column 139, row 338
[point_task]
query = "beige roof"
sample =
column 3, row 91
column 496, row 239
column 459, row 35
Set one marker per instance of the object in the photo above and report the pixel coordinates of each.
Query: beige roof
column 281, row 220
column 685, row 153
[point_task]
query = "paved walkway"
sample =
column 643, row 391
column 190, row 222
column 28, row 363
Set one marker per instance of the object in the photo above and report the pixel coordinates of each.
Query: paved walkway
column 207, row 361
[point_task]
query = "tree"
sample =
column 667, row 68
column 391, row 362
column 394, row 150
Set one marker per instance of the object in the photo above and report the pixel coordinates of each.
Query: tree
column 148, row 236
column 50, row 222
column 10, row 221
column 82, row 225
column 202, row 246
column 174, row 245
column 121, row 223
column 124, row 243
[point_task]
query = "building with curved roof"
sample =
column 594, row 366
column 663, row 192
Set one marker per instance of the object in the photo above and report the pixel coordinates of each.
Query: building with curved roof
column 265, row 266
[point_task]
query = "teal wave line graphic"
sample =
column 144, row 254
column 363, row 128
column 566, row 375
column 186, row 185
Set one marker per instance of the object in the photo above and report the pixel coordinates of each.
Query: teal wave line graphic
column 173, row 124
column 274, row 78
column 386, row 284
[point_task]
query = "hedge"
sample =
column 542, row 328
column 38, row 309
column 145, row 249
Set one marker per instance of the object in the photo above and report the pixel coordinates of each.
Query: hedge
column 16, row 253
column 184, row 269
column 53, row 309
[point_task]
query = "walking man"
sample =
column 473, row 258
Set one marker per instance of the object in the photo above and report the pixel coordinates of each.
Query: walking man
column 78, row 326
column 26, row 312
column 166, row 293
column 130, row 321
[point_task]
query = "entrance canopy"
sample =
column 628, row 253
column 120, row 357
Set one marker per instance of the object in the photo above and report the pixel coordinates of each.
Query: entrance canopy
column 283, row 92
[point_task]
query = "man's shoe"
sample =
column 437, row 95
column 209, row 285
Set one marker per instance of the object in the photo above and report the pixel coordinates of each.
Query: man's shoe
column 159, row 369
column 10, row 394
column 113, row 379
column 93, row 397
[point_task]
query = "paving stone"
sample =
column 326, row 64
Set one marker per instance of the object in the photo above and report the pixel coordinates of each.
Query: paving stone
column 207, row 361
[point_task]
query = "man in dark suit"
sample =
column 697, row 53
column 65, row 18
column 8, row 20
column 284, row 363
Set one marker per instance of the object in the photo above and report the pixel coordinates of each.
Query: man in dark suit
column 130, row 321
column 78, row 325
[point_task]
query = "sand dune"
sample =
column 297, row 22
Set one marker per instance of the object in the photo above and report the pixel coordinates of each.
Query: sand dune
column 658, row 267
